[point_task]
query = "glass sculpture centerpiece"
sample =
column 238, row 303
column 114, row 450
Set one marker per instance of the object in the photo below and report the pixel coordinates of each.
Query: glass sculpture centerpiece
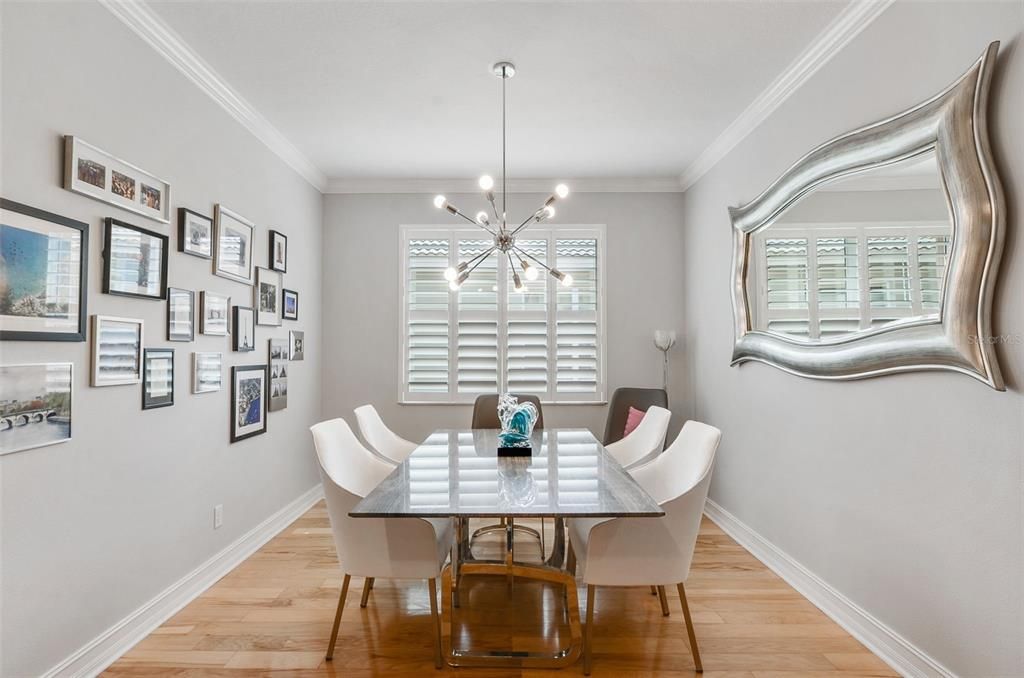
column 517, row 422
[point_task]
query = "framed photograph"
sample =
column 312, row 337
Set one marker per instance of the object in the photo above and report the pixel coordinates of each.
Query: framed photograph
column 214, row 313
column 278, row 251
column 232, row 256
column 99, row 175
column 278, row 374
column 116, row 351
column 134, row 261
column 157, row 378
column 181, row 314
column 248, row 401
column 243, row 338
column 289, row 304
column 207, row 372
column 195, row 233
column 44, row 261
column 35, row 405
column 296, row 346
column 267, row 297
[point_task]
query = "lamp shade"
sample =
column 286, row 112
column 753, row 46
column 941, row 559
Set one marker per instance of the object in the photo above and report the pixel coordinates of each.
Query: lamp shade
column 664, row 339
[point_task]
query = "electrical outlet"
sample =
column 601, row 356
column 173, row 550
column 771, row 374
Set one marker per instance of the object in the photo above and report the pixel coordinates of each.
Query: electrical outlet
column 218, row 516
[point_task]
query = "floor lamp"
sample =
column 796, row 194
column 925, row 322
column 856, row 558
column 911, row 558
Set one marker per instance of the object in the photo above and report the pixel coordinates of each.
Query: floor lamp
column 664, row 340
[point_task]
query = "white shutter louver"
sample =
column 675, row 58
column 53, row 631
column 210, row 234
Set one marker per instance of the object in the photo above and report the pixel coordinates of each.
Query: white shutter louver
column 786, row 288
column 427, row 331
column 838, row 286
column 527, row 358
column 477, row 344
column 576, row 324
column 932, row 254
column 888, row 278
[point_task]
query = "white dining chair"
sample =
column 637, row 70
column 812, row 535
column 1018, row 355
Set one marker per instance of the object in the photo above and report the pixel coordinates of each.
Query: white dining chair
column 383, row 440
column 643, row 442
column 395, row 548
column 642, row 551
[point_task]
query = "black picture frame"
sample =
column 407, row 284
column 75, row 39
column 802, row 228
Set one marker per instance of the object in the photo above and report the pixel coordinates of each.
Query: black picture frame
column 109, row 224
column 171, row 293
column 234, row 411
column 272, row 264
column 284, row 304
column 238, row 335
column 184, row 242
column 150, row 402
column 80, row 331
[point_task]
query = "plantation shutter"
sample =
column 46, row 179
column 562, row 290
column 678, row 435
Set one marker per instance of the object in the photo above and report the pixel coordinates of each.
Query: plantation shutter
column 527, row 357
column 427, row 316
column 576, row 320
column 477, row 345
column 786, row 264
column 889, row 280
column 932, row 255
column 838, row 286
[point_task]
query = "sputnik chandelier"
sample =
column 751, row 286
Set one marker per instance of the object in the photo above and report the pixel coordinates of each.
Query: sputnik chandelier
column 504, row 236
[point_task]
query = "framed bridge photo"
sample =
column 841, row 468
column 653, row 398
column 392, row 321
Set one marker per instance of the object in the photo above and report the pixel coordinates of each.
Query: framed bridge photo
column 35, row 405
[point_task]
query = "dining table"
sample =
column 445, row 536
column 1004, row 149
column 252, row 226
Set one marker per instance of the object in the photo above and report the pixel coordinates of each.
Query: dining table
column 458, row 474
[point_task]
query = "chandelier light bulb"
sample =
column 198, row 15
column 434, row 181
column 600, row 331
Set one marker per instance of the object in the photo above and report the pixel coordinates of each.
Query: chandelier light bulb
column 486, row 182
column 481, row 217
column 529, row 271
column 454, row 285
column 561, row 190
column 450, row 274
column 567, row 280
column 440, row 201
column 549, row 211
column 518, row 283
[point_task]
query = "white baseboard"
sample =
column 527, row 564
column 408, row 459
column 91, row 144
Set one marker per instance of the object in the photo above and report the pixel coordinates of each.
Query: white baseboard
column 102, row 651
column 889, row 646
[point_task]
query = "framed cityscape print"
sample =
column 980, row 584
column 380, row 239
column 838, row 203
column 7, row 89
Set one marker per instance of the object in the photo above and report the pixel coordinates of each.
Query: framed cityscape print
column 289, row 304
column 207, row 372
column 243, row 337
column 44, row 261
column 248, row 401
column 278, row 374
column 35, row 405
column 232, row 254
column 267, row 293
column 116, row 351
column 296, row 345
column 278, row 251
column 181, row 314
column 134, row 261
column 214, row 313
column 99, row 175
column 195, row 233
column 157, row 378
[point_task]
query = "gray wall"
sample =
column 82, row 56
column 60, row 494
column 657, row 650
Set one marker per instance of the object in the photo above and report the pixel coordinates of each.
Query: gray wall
column 94, row 528
column 903, row 492
column 361, row 299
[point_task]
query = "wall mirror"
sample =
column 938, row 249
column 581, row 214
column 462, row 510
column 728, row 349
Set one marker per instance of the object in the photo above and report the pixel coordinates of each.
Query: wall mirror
column 877, row 251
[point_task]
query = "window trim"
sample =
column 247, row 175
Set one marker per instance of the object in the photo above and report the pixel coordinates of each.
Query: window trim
column 456, row 231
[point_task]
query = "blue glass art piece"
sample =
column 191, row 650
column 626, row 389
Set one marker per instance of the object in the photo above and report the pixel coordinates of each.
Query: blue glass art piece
column 517, row 421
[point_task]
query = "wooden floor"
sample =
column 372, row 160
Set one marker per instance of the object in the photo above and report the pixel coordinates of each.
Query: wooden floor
column 272, row 616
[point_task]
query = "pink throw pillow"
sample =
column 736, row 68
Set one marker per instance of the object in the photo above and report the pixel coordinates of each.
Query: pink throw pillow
column 633, row 419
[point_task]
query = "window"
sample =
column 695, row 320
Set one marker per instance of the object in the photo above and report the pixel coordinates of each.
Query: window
column 488, row 338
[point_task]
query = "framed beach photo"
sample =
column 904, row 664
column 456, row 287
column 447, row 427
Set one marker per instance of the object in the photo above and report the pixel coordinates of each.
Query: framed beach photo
column 97, row 174
column 35, row 405
column 181, row 314
column 116, row 351
column 214, row 313
column 195, row 233
column 134, row 261
column 278, row 391
column 278, row 251
column 157, row 378
column 44, row 262
column 207, row 372
column 267, row 297
column 296, row 346
column 232, row 255
column 289, row 304
column 243, row 336
column 248, row 401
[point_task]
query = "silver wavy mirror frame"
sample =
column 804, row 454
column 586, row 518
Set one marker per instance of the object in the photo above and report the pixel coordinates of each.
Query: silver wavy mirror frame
column 953, row 125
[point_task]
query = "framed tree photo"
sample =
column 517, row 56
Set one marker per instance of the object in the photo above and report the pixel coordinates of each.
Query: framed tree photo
column 157, row 378
column 44, row 262
column 134, row 261
column 278, row 251
column 195, row 233
column 289, row 304
column 232, row 255
column 116, row 351
column 248, row 401
column 181, row 314
column 267, row 293
column 243, row 338
column 214, row 313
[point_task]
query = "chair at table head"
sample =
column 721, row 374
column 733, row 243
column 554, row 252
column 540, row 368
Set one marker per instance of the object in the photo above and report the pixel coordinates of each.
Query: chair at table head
column 618, row 409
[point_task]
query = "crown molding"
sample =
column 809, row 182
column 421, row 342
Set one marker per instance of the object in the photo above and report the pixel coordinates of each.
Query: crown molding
column 851, row 21
column 158, row 35
column 464, row 185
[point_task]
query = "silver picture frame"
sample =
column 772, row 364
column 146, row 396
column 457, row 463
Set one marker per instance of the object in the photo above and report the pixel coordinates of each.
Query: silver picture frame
column 232, row 245
column 97, row 174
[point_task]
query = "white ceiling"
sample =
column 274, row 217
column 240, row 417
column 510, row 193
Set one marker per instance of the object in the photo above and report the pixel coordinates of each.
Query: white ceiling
column 397, row 90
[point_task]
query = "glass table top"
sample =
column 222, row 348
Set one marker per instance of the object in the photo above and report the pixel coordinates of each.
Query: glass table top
column 459, row 473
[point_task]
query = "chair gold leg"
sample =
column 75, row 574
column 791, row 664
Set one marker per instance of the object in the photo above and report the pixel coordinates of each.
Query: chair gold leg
column 664, row 601
column 367, row 587
column 689, row 629
column 438, row 660
column 337, row 616
column 588, row 631
column 654, row 590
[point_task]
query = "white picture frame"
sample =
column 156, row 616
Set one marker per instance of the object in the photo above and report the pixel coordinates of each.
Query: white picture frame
column 214, row 314
column 115, row 361
column 232, row 247
column 207, row 371
column 23, row 424
column 97, row 174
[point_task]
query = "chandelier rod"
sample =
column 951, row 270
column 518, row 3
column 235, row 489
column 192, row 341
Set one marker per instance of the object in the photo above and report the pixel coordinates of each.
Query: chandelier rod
column 527, row 254
column 504, row 190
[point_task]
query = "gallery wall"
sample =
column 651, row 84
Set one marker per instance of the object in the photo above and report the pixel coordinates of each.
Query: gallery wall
column 902, row 492
column 361, row 300
column 95, row 527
